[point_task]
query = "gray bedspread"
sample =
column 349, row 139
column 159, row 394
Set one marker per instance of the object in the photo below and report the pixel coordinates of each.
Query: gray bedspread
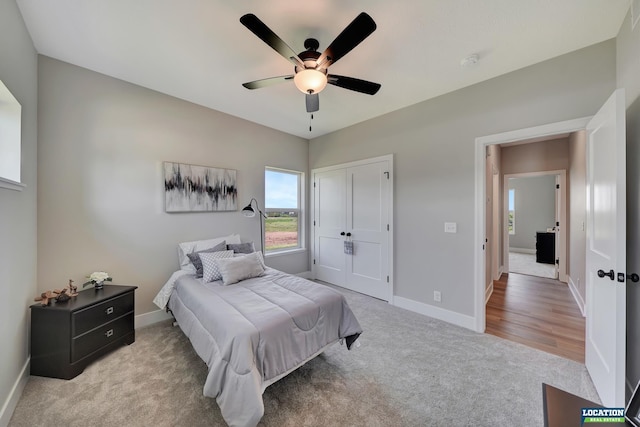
column 252, row 333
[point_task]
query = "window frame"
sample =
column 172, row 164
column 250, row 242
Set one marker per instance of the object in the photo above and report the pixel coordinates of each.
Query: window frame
column 299, row 210
column 11, row 147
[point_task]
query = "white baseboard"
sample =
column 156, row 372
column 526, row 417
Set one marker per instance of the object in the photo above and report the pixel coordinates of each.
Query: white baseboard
column 449, row 316
column 523, row 250
column 146, row 319
column 14, row 396
column 488, row 292
column 577, row 297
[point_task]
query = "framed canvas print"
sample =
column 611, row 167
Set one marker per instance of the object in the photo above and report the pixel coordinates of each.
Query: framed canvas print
column 192, row 188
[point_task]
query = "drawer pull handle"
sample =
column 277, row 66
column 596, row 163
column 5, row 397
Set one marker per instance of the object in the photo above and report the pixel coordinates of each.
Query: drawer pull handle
column 109, row 333
column 110, row 310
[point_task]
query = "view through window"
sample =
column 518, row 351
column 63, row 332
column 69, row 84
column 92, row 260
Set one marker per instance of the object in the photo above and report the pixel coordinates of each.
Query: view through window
column 282, row 207
column 512, row 211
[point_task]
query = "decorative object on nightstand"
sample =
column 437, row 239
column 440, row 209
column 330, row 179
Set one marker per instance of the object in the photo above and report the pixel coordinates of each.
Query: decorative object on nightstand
column 59, row 295
column 97, row 279
column 66, row 337
column 73, row 290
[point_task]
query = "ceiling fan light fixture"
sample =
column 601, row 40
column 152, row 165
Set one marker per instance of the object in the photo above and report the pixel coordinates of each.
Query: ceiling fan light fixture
column 310, row 80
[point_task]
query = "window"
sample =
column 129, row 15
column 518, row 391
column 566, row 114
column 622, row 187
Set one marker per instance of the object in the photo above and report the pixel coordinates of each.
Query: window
column 10, row 117
column 283, row 194
column 512, row 211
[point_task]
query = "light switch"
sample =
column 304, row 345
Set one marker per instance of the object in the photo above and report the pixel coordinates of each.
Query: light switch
column 450, row 227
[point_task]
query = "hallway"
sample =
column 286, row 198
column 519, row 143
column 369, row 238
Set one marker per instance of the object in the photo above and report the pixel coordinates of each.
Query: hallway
column 537, row 312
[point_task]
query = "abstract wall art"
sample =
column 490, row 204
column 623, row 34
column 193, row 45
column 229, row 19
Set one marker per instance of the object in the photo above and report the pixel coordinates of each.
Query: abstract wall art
column 191, row 188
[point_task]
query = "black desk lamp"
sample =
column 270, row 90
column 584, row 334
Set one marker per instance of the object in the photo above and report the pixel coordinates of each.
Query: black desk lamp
column 249, row 212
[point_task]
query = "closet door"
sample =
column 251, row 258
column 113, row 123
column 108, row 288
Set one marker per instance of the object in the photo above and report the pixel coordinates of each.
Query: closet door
column 352, row 204
column 367, row 219
column 330, row 226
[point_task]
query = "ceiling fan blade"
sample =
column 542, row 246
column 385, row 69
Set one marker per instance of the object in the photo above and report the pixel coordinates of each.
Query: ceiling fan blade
column 358, row 30
column 259, row 84
column 313, row 102
column 264, row 33
column 358, row 85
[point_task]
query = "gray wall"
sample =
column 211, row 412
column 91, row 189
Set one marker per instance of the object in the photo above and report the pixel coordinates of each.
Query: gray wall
column 101, row 191
column 535, row 209
column 577, row 216
column 628, row 77
column 18, row 71
column 434, row 143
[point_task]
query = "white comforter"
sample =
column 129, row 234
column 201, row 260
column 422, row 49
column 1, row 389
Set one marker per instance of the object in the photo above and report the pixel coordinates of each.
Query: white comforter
column 254, row 332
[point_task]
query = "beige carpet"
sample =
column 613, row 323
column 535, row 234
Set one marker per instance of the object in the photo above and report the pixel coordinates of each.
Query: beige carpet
column 409, row 371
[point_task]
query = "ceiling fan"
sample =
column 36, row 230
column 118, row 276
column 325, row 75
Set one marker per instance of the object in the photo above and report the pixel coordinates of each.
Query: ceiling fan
column 311, row 67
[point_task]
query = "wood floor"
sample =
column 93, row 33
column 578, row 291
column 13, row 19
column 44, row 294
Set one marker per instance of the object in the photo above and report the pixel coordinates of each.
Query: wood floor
column 537, row 312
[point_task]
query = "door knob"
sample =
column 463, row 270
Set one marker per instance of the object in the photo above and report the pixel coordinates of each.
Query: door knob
column 611, row 273
column 342, row 234
column 348, row 234
column 633, row 277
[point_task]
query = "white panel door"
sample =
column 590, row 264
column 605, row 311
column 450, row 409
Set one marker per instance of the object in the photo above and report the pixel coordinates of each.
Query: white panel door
column 367, row 221
column 352, row 203
column 606, row 251
column 330, row 226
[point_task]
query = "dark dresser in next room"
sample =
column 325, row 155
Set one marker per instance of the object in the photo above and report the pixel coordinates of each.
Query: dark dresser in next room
column 546, row 247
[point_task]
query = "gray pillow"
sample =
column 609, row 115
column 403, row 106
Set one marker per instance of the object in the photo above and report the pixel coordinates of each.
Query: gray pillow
column 242, row 248
column 194, row 257
column 236, row 269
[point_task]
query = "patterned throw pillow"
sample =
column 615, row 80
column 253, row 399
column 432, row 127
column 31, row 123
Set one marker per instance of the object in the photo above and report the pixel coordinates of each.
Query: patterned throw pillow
column 210, row 269
column 194, row 257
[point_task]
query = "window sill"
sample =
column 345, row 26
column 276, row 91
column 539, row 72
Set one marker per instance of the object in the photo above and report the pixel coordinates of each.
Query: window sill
column 11, row 185
column 285, row 252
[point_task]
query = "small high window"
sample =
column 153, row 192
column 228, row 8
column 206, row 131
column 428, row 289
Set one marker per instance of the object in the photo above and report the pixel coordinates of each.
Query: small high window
column 10, row 147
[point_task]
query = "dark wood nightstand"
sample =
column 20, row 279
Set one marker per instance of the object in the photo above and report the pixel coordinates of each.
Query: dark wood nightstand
column 68, row 336
column 563, row 409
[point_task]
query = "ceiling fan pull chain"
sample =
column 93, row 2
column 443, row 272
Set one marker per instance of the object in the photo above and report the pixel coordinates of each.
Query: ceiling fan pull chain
column 310, row 118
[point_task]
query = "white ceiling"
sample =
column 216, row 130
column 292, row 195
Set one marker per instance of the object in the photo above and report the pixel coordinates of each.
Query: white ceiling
column 197, row 50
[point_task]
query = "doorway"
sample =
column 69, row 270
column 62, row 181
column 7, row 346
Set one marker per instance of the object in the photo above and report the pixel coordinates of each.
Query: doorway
column 528, row 303
column 535, row 227
column 527, row 135
column 605, row 238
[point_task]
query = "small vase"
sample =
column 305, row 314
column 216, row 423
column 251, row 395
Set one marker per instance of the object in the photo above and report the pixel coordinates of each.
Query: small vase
column 98, row 285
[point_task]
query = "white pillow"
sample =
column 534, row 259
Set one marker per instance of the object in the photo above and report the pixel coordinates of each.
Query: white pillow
column 239, row 268
column 210, row 269
column 185, row 248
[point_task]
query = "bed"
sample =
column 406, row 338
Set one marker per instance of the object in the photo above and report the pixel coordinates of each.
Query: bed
column 252, row 331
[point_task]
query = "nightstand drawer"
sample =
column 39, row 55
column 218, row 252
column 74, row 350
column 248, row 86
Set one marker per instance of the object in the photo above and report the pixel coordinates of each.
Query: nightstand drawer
column 99, row 314
column 86, row 344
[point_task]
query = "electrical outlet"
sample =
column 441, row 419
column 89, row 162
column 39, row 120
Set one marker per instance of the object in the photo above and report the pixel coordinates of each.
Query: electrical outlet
column 450, row 227
column 437, row 297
